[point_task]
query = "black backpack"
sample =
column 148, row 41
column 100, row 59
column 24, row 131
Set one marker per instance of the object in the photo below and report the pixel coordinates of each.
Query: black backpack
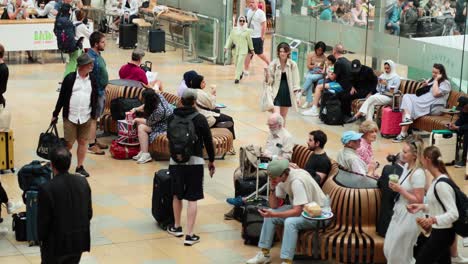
column 461, row 225
column 182, row 137
column 64, row 30
column 330, row 110
column 121, row 105
column 5, row 14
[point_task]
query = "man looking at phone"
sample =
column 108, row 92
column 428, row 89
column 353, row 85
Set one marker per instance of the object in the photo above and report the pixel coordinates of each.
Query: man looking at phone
column 187, row 177
column 301, row 189
column 388, row 84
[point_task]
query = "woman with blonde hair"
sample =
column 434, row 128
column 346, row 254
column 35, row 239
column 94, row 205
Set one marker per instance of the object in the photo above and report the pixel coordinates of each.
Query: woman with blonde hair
column 403, row 232
column 369, row 129
column 443, row 211
column 241, row 44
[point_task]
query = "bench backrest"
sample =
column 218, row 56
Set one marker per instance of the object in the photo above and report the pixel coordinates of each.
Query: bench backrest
column 453, row 98
column 409, row 86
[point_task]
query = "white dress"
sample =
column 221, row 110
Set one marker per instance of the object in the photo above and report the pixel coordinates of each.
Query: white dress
column 403, row 231
column 420, row 106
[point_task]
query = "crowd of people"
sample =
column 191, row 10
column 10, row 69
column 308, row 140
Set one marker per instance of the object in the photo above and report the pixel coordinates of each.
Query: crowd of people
column 82, row 99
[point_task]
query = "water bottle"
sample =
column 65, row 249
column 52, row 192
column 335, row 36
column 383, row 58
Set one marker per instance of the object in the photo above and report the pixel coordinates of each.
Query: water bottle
column 326, row 204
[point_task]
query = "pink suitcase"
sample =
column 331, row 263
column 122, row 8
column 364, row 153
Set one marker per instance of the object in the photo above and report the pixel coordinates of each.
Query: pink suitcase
column 390, row 126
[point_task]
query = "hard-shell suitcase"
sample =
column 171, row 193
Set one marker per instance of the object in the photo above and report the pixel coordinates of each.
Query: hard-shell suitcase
column 6, row 151
column 162, row 199
column 446, row 141
column 31, row 218
column 157, row 40
column 128, row 35
column 390, row 125
column 19, row 226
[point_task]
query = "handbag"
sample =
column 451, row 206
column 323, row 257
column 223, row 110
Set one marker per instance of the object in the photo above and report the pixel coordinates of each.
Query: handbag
column 49, row 140
column 266, row 98
column 423, row 90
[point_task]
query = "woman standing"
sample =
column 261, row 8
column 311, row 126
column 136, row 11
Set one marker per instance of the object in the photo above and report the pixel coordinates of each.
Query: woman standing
column 240, row 41
column 156, row 111
column 403, row 232
column 359, row 15
column 283, row 76
column 414, row 106
column 388, row 82
column 442, row 214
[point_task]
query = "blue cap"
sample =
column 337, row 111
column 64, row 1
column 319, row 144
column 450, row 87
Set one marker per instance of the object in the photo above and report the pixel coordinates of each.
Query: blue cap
column 350, row 135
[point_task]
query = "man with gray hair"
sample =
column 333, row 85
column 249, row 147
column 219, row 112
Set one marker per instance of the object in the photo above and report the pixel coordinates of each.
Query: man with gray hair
column 133, row 71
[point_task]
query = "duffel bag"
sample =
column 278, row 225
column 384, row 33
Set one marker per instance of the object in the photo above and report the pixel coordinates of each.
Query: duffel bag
column 121, row 105
column 34, row 174
column 48, row 140
column 119, row 151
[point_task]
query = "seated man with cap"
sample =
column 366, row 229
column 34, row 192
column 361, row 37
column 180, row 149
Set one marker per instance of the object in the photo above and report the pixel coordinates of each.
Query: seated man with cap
column 301, row 189
column 349, row 159
column 133, row 71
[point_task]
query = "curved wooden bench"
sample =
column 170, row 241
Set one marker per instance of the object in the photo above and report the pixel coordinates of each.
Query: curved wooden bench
column 222, row 141
column 352, row 236
column 106, row 123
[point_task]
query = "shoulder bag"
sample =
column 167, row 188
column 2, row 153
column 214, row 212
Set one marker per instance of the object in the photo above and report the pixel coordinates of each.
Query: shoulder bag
column 49, row 140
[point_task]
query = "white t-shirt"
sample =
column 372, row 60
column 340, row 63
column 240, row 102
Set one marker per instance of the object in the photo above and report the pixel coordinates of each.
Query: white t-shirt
column 257, row 17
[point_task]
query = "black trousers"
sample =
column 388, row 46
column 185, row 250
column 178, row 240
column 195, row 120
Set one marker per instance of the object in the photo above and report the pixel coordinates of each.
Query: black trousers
column 69, row 259
column 346, row 100
column 3, row 195
column 225, row 118
column 437, row 247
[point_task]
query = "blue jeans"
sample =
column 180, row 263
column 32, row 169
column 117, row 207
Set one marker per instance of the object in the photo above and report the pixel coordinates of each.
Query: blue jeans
column 394, row 26
column 309, row 82
column 292, row 225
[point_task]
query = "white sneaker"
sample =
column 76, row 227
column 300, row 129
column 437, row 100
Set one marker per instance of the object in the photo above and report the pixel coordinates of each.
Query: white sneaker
column 117, row 41
column 145, row 157
column 459, row 259
column 3, row 230
column 260, row 258
column 311, row 112
column 305, row 105
column 246, row 73
column 12, row 207
column 137, row 156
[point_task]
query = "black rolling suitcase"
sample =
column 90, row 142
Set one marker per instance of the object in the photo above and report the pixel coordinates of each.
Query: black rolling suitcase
column 162, row 199
column 157, row 40
column 128, row 34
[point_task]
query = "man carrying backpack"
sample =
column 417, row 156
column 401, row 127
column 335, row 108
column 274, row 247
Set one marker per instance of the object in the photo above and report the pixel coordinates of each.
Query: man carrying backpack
column 188, row 131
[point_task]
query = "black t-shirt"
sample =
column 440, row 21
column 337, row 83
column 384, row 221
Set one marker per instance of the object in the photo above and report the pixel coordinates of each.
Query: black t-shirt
column 3, row 81
column 318, row 163
column 342, row 69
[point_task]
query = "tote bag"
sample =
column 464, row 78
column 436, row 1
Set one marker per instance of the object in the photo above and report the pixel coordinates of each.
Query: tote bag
column 266, row 98
column 49, row 140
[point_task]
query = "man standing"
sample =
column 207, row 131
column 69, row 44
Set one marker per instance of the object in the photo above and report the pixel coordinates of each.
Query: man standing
column 78, row 98
column 301, row 189
column 4, row 73
column 256, row 20
column 64, row 213
column 187, row 177
column 318, row 165
column 97, row 41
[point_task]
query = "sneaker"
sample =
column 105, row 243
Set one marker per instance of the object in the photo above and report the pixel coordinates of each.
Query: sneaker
column 350, row 120
column 459, row 259
column 237, row 201
column 311, row 112
column 80, row 171
column 191, row 240
column 236, row 81
column 246, row 73
column 144, row 158
column 12, row 207
column 399, row 138
column 460, row 164
column 3, row 230
column 95, row 150
column 175, row 231
column 101, row 145
column 406, row 121
column 260, row 258
column 137, row 156
column 229, row 215
column 305, row 105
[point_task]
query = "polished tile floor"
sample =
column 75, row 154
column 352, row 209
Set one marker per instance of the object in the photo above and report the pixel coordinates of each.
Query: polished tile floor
column 123, row 230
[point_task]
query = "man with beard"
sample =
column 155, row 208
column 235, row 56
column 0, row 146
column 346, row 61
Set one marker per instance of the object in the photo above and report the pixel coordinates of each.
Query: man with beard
column 319, row 164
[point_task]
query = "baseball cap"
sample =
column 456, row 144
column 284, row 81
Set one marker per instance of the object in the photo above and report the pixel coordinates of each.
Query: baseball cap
column 276, row 167
column 350, row 135
column 355, row 66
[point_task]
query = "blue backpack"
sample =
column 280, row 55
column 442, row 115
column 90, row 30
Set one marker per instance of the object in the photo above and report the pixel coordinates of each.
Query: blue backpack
column 65, row 31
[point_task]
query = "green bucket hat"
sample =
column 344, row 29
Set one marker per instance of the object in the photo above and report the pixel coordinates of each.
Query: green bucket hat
column 277, row 167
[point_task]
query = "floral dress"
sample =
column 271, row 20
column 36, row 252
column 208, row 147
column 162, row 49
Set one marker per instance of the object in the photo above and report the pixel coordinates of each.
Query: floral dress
column 158, row 119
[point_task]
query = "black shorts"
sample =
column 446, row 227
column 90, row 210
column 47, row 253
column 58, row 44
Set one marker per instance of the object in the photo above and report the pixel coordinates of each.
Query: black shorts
column 258, row 45
column 187, row 181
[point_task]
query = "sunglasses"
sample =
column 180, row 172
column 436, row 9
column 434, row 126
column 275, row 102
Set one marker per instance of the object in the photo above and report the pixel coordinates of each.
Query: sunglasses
column 241, row 20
